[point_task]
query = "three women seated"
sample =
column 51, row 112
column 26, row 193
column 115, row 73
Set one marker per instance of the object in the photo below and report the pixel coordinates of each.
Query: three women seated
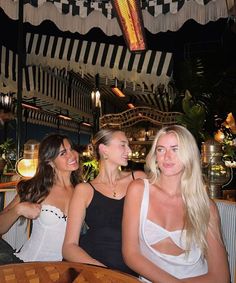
column 170, row 231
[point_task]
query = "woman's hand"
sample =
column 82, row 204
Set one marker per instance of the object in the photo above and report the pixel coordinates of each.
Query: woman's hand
column 28, row 210
column 16, row 209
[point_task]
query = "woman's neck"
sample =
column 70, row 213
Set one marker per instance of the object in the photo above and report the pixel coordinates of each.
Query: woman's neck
column 170, row 186
column 108, row 175
column 62, row 180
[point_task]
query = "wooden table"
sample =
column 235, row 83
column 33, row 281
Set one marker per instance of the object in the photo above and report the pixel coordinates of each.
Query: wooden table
column 61, row 272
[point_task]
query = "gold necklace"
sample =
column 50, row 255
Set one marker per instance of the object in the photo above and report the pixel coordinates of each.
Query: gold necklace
column 114, row 192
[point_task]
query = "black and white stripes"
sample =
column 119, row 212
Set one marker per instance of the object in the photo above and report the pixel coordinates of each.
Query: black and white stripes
column 52, row 86
column 112, row 61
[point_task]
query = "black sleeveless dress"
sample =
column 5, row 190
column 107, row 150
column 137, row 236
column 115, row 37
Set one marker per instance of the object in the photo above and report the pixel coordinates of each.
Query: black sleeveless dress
column 102, row 240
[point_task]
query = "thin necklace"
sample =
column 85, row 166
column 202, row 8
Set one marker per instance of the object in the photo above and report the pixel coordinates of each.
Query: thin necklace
column 114, row 191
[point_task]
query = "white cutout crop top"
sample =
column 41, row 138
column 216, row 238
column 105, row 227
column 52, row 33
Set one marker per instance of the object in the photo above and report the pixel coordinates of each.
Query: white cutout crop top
column 180, row 266
column 45, row 242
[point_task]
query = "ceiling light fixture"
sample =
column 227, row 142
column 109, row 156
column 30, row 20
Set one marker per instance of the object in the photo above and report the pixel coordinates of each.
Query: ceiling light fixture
column 64, row 117
column 130, row 19
column 86, row 124
column 117, row 92
column 130, row 105
column 25, row 105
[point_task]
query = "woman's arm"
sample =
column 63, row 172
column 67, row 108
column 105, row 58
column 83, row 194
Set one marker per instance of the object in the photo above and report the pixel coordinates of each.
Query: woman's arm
column 130, row 238
column 218, row 269
column 71, row 250
column 14, row 210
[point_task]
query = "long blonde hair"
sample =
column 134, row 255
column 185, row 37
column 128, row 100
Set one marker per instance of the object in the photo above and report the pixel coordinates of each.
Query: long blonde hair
column 193, row 189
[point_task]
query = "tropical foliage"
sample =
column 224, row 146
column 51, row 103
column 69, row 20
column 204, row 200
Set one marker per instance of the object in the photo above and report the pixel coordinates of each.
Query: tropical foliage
column 8, row 153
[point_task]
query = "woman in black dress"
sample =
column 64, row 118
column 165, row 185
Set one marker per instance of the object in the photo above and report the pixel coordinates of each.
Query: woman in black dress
column 100, row 204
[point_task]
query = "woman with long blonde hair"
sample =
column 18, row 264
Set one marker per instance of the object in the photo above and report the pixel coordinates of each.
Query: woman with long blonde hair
column 171, row 230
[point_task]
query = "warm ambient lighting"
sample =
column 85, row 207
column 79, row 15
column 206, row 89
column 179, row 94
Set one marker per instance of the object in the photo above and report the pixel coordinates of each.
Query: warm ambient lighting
column 30, row 106
column 117, row 92
column 130, row 20
column 27, row 165
column 219, row 136
column 64, row 117
column 130, row 105
column 86, row 124
column 95, row 96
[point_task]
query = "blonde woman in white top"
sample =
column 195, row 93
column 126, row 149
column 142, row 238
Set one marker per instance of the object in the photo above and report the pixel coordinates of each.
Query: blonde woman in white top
column 44, row 199
column 171, row 229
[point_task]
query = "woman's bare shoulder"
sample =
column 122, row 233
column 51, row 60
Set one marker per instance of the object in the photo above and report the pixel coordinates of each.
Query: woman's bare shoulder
column 136, row 185
column 83, row 188
column 133, row 175
column 83, row 194
column 139, row 174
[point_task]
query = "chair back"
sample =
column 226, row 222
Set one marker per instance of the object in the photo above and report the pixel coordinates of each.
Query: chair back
column 227, row 211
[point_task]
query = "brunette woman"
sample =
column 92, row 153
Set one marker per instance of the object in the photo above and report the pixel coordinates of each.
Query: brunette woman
column 45, row 199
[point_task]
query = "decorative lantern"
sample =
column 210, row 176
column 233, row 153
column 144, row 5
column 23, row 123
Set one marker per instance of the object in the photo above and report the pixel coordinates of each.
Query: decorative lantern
column 27, row 166
column 214, row 168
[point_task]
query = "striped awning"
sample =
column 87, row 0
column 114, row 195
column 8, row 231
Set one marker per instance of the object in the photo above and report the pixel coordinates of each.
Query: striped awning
column 111, row 61
column 53, row 89
column 81, row 15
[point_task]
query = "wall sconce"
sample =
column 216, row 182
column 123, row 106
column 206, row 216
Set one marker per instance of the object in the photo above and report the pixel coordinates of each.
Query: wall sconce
column 95, row 96
column 96, row 104
column 130, row 19
column 27, row 165
column 96, row 107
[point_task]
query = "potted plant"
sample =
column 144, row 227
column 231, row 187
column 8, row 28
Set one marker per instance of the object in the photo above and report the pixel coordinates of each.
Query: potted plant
column 194, row 115
column 7, row 156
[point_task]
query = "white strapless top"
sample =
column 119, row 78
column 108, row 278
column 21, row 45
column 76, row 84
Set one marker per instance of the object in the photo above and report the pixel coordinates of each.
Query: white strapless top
column 45, row 242
column 150, row 233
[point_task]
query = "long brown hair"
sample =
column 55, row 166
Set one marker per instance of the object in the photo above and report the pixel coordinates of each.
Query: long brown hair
column 37, row 188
